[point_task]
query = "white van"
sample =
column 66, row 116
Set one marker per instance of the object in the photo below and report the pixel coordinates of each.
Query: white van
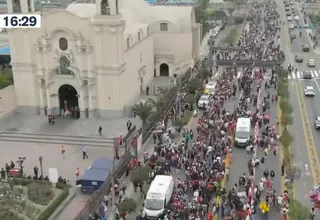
column 158, row 196
column 243, row 131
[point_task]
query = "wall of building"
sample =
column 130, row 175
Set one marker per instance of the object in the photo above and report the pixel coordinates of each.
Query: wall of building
column 139, row 62
column 172, row 49
column 8, row 102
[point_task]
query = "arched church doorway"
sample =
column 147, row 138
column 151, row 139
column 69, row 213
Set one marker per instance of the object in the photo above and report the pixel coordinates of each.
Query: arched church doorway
column 164, row 69
column 68, row 100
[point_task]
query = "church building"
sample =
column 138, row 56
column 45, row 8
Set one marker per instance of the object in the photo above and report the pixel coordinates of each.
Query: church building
column 98, row 57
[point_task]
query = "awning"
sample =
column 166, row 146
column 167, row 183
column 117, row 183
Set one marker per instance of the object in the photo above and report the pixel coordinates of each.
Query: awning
column 5, row 50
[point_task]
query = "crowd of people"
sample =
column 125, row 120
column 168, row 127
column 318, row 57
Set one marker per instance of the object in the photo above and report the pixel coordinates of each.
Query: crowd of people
column 205, row 157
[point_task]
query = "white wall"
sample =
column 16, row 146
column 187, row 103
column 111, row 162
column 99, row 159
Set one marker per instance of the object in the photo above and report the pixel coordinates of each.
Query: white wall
column 7, row 100
column 141, row 54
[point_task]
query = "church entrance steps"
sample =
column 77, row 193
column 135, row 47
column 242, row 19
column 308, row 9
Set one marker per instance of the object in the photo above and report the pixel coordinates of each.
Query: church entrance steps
column 56, row 139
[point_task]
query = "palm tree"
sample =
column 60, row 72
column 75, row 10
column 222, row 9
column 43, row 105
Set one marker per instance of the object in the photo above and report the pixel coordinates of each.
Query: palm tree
column 163, row 91
column 157, row 103
column 144, row 111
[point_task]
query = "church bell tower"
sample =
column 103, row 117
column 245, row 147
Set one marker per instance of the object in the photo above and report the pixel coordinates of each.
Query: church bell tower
column 20, row 6
column 109, row 27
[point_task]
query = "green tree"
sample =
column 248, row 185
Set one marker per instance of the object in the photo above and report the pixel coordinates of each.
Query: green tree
column 286, row 138
column 286, row 120
column 140, row 174
column 297, row 211
column 193, row 85
column 6, row 78
column 163, row 91
column 157, row 103
column 285, row 106
column 232, row 36
column 144, row 110
column 190, row 99
column 282, row 90
column 127, row 206
column 282, row 73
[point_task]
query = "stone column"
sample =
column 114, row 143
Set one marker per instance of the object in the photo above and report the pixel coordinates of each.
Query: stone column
column 49, row 107
column 81, row 103
column 91, row 111
column 42, row 105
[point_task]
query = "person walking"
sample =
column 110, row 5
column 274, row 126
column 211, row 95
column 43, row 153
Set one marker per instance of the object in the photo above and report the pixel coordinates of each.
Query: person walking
column 63, row 151
column 312, row 213
column 77, row 172
column 100, row 130
column 84, row 152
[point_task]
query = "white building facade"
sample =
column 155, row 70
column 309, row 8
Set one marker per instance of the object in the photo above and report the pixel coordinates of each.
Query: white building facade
column 99, row 57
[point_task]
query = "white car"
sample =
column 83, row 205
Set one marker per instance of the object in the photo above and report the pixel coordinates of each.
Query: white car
column 203, row 101
column 309, row 91
column 289, row 18
column 311, row 63
column 296, row 18
column 291, row 26
column 306, row 25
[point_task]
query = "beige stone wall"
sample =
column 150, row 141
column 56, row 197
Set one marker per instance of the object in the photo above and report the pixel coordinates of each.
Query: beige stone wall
column 7, row 100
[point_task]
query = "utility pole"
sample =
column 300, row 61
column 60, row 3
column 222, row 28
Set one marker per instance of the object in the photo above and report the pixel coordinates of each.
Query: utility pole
column 115, row 145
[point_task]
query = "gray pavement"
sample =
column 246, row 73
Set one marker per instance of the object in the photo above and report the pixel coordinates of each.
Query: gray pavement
column 304, row 183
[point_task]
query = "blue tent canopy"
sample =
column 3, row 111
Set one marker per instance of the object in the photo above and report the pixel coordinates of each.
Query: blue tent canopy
column 5, row 50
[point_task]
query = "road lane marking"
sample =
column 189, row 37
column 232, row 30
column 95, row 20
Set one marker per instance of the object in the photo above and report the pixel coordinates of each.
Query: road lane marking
column 317, row 85
column 298, row 75
column 316, row 73
column 293, row 75
column 311, row 148
column 312, row 74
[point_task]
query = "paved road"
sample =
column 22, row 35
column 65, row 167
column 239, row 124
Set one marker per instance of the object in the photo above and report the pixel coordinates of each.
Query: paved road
column 302, row 118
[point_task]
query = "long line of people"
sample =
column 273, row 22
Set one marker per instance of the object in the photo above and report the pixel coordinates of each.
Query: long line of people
column 203, row 157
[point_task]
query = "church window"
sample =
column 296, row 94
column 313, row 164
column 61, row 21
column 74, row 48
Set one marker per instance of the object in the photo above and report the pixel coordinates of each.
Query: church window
column 164, row 27
column 117, row 7
column 16, row 6
column 148, row 31
column 128, row 42
column 64, row 64
column 139, row 36
column 105, row 9
column 63, row 44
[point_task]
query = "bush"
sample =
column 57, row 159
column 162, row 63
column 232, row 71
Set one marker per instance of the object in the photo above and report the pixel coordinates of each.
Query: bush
column 54, row 205
column 25, row 181
column 40, row 193
column 60, row 185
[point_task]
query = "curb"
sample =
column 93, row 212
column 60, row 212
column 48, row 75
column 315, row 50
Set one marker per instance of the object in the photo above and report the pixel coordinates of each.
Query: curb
column 62, row 206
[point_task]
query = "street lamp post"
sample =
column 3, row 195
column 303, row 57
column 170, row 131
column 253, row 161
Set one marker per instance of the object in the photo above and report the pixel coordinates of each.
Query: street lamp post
column 40, row 160
column 20, row 162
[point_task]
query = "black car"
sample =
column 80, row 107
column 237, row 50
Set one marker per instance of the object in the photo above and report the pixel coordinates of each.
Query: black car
column 287, row 9
column 306, row 75
column 298, row 59
column 305, row 48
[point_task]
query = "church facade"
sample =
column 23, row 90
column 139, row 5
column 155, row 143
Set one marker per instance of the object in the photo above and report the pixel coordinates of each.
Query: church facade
column 98, row 57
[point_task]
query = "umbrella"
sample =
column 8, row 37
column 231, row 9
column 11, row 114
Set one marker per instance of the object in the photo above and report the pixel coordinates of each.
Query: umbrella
column 161, row 160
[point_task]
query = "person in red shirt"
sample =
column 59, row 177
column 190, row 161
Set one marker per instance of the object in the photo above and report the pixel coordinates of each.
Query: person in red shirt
column 268, row 184
column 209, row 216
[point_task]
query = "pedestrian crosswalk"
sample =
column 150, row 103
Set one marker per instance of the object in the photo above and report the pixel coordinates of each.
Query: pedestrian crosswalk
column 299, row 74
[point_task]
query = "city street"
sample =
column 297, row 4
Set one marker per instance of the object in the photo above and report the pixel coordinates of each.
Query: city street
column 306, row 138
